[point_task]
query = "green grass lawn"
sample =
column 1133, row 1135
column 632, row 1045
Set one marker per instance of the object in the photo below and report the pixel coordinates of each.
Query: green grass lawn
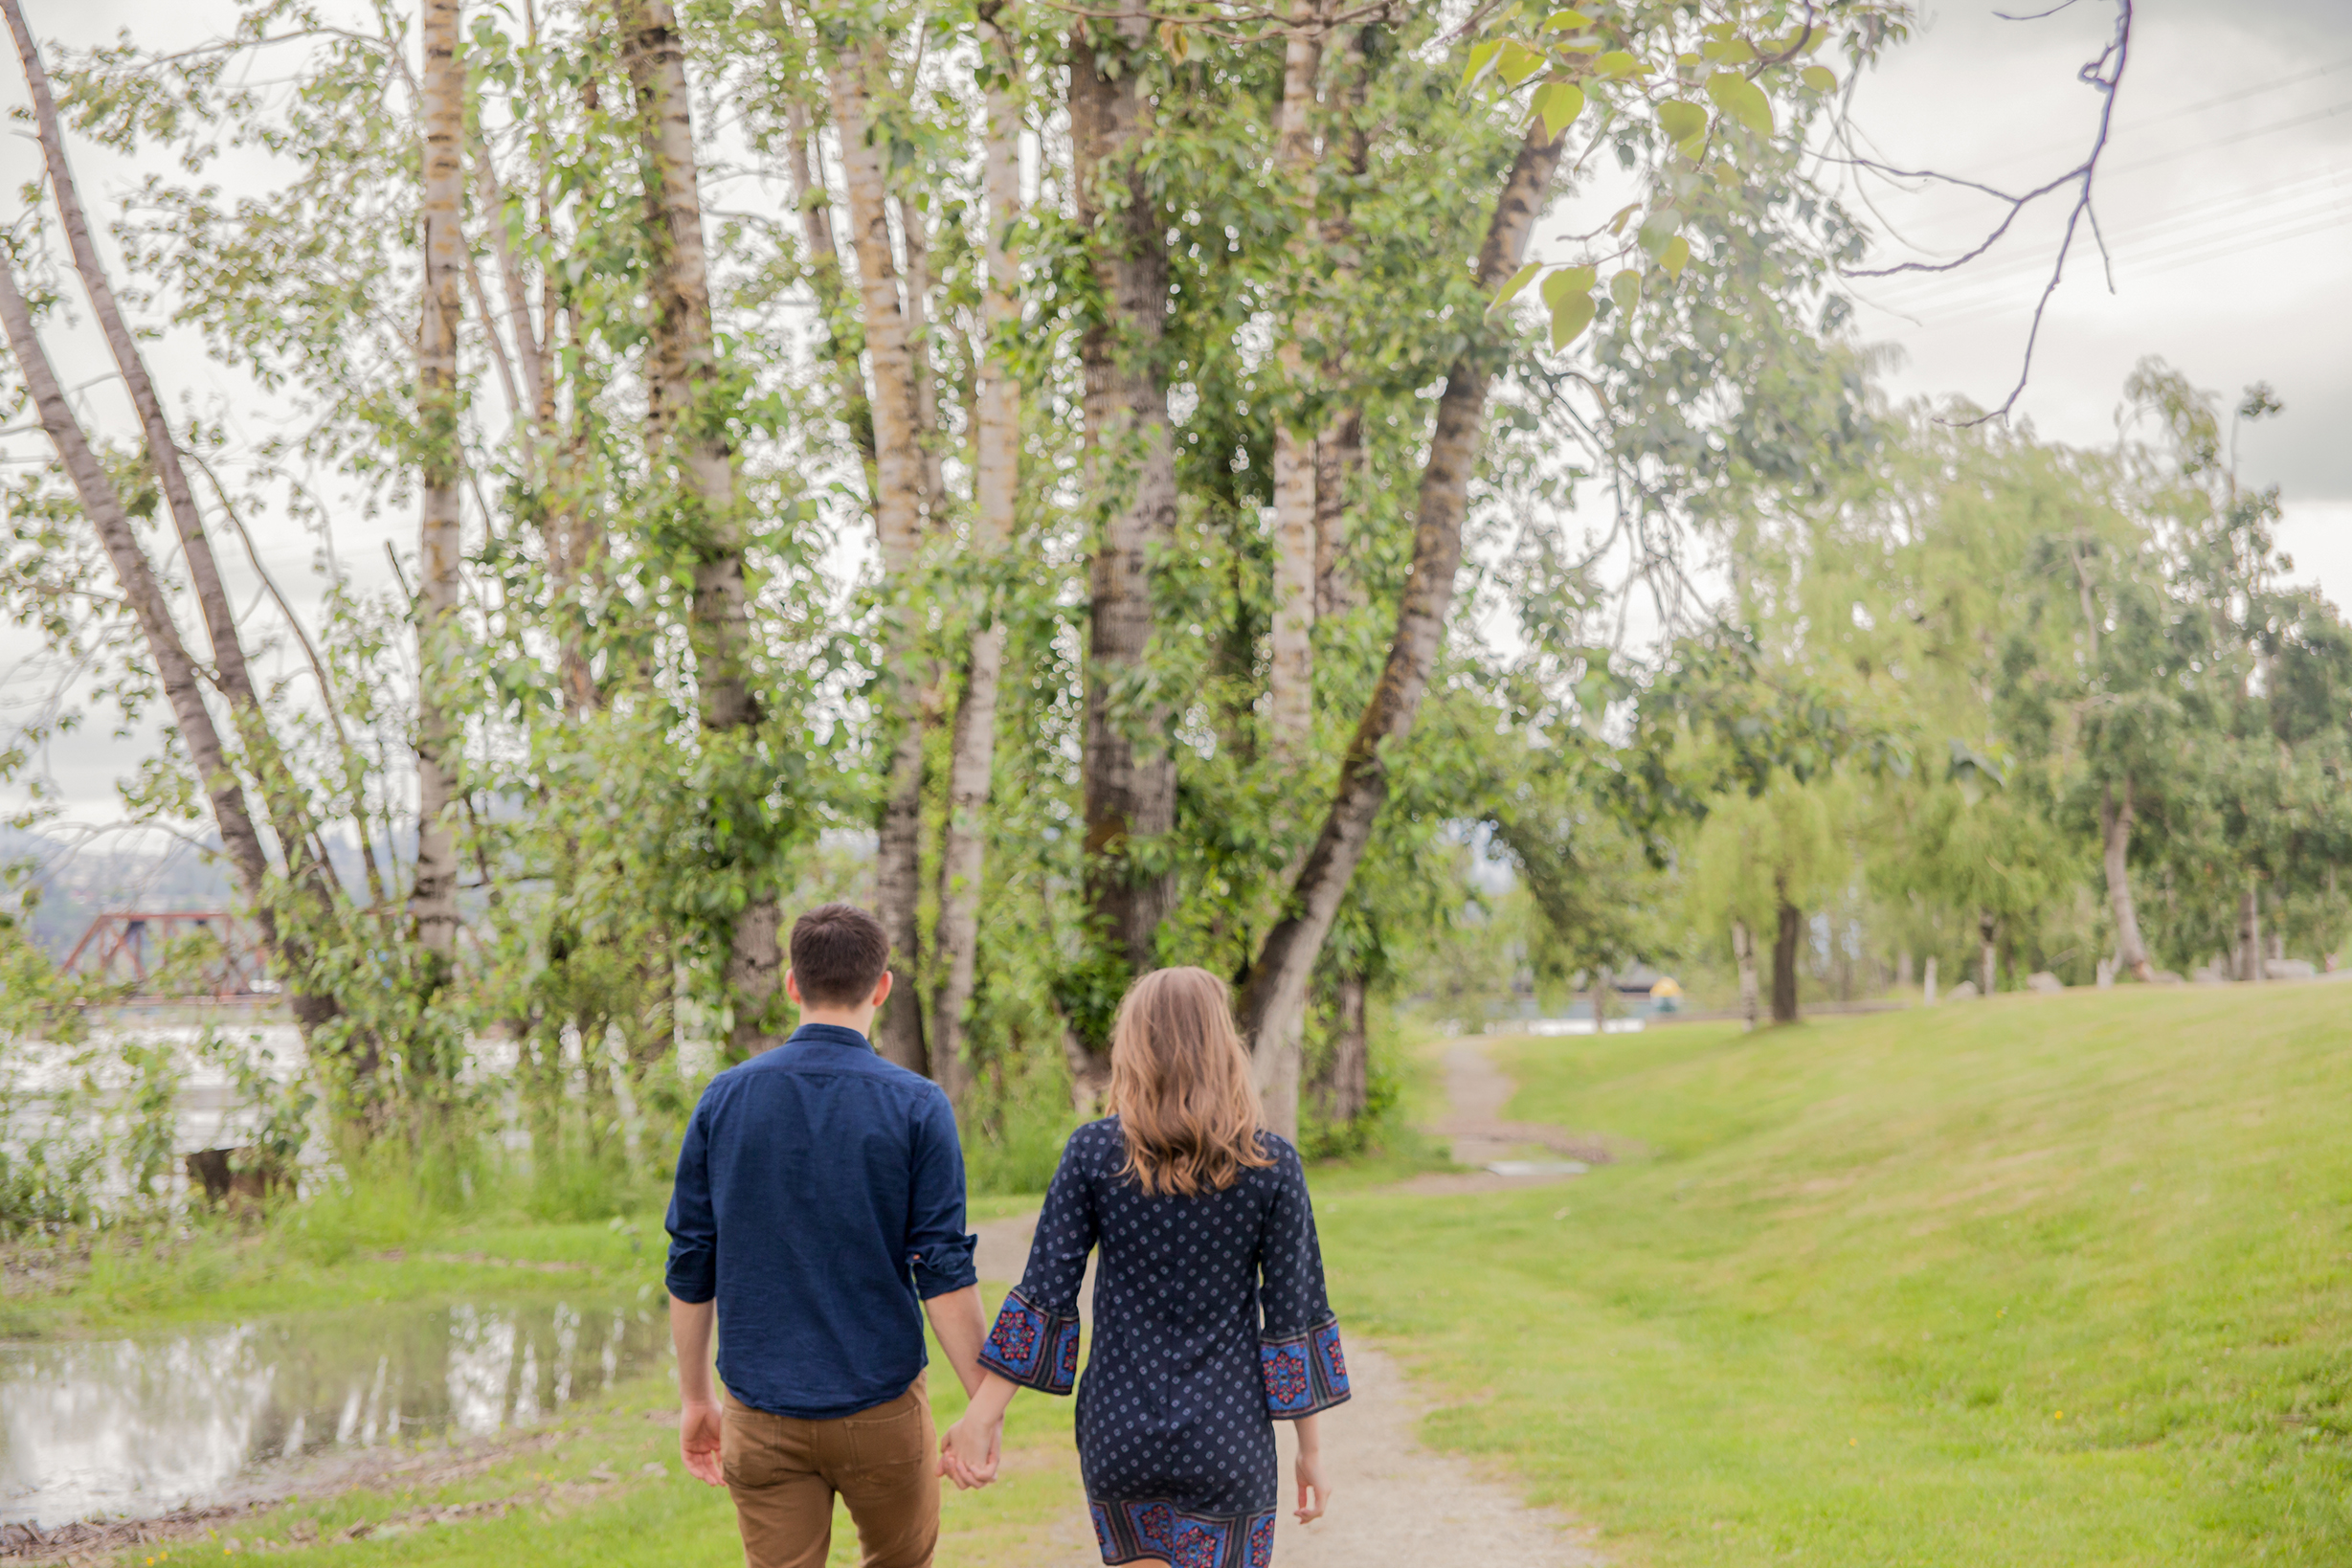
column 2062, row 1281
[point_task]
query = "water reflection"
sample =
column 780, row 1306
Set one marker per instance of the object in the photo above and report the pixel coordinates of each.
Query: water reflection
column 134, row 1427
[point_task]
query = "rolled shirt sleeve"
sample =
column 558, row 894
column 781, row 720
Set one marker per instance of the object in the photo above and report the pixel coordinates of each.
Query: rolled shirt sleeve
column 693, row 1271
column 938, row 1247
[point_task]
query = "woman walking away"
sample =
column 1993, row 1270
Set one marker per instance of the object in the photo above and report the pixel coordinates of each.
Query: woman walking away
column 1204, row 1226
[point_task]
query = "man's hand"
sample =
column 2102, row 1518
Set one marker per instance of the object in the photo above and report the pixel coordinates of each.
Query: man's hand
column 968, row 1454
column 700, row 1429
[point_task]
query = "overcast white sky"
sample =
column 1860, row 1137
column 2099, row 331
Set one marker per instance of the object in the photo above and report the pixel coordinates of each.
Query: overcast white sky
column 2226, row 199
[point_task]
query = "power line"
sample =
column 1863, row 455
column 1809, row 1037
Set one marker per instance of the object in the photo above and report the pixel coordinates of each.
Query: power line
column 2210, row 222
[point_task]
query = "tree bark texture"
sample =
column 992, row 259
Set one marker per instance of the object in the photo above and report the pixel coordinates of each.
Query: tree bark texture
column 1128, row 772
column 1785, row 943
column 1274, row 996
column 1340, row 450
column 1743, row 954
column 1290, row 649
column 681, row 433
column 1344, row 1093
column 432, row 897
column 2115, row 847
column 996, row 482
column 900, row 496
column 2249, row 935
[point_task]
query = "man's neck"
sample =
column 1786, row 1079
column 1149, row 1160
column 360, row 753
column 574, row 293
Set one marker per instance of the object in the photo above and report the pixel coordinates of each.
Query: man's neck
column 860, row 1018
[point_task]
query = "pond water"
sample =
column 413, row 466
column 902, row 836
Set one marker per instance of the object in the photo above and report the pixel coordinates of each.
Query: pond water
column 141, row 1425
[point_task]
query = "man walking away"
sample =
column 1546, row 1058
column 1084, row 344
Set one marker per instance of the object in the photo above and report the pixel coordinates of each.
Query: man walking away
column 819, row 1196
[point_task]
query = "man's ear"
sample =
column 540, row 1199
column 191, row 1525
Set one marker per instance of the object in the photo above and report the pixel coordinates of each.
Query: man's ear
column 882, row 988
column 791, row 989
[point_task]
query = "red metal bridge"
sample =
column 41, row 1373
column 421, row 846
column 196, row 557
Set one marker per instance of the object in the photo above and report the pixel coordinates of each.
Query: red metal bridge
column 134, row 949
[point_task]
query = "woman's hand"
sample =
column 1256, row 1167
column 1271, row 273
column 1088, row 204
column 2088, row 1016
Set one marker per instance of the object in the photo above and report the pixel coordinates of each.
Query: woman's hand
column 1315, row 1494
column 968, row 1454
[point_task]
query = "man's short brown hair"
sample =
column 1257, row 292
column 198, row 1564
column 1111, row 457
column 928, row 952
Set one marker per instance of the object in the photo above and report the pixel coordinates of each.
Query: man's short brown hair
column 839, row 952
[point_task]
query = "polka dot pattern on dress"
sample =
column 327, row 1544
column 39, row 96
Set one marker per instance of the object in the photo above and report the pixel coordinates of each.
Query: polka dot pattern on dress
column 1197, row 1299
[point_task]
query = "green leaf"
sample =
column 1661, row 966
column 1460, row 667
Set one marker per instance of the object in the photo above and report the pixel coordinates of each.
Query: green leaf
column 1561, row 21
column 1518, row 280
column 1520, row 62
column 1571, row 314
column 1684, row 123
column 1481, row 58
column 1729, row 51
column 1675, row 256
column 1616, row 224
column 1625, row 288
column 1742, row 100
column 1618, row 63
column 1820, row 77
column 1559, row 103
column 1658, row 228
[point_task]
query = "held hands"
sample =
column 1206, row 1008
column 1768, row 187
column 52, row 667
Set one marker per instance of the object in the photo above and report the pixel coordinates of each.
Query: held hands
column 1315, row 1494
column 968, row 1454
column 700, row 1429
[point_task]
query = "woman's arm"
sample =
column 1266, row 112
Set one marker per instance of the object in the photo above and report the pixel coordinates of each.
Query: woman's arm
column 1315, row 1494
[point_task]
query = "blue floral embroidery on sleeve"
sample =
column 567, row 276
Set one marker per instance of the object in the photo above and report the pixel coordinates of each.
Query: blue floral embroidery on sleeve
column 1304, row 1372
column 1032, row 1346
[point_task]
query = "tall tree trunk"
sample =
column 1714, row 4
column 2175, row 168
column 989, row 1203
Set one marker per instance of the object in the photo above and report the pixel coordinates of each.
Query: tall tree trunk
column 1291, row 661
column 1743, row 954
column 2115, row 847
column 1785, row 943
column 2249, row 934
column 682, row 365
column 1130, row 475
column 433, row 900
column 997, row 461
column 825, row 274
column 1339, row 455
column 1345, row 1091
column 1988, row 960
column 182, row 686
column 899, row 496
column 1274, row 996
column 1340, row 450
column 288, row 811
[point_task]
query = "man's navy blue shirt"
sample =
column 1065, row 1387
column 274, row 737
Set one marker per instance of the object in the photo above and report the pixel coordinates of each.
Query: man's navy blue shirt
column 819, row 1198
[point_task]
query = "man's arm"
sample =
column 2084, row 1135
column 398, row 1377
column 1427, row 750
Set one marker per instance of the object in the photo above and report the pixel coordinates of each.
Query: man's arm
column 699, row 1420
column 956, row 1319
column 693, row 1280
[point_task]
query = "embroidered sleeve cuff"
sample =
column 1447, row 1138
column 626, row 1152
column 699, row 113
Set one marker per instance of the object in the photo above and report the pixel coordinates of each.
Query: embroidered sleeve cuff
column 1033, row 1347
column 1304, row 1372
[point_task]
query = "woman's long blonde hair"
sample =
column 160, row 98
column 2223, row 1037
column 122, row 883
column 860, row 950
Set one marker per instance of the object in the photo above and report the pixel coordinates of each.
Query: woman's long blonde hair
column 1180, row 1085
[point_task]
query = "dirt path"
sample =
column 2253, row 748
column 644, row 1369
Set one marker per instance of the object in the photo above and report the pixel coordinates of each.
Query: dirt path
column 1396, row 1503
column 1507, row 1154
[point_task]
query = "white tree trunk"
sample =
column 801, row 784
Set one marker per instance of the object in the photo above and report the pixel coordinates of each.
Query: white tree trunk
column 433, row 901
column 1291, row 654
column 682, row 368
column 997, row 461
column 1744, row 952
column 1274, row 997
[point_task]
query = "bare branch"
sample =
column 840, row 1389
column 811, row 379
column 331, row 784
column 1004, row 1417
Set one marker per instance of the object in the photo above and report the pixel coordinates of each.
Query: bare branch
column 2103, row 75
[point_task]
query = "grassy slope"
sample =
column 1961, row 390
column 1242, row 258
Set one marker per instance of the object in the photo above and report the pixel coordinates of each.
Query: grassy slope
column 2033, row 1280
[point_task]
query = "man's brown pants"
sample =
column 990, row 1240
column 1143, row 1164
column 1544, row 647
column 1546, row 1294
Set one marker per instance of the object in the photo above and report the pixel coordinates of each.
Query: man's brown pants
column 783, row 1474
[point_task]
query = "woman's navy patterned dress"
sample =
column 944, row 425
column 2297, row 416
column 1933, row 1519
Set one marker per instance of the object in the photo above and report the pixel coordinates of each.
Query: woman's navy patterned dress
column 1210, row 1324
